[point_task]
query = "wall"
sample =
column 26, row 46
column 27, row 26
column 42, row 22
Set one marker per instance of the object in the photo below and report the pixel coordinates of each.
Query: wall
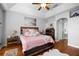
column 15, row 20
column 73, row 31
column 73, row 28
column 49, row 21
column 2, row 26
column 41, row 24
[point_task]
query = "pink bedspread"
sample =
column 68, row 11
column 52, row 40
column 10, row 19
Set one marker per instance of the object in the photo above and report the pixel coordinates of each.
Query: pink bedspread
column 30, row 42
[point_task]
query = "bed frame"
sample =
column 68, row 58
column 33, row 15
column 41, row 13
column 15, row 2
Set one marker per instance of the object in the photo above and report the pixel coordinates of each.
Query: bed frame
column 39, row 49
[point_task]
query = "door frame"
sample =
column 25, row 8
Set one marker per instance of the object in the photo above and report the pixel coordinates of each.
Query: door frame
column 61, row 31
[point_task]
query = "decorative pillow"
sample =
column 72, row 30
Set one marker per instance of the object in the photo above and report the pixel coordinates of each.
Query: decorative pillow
column 34, row 32
column 26, row 34
column 31, row 32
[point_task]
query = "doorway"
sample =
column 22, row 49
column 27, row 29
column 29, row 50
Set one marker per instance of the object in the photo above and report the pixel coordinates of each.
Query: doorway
column 62, row 28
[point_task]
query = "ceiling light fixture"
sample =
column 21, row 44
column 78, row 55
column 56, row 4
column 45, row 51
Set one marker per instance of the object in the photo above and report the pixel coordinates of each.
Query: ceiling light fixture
column 43, row 5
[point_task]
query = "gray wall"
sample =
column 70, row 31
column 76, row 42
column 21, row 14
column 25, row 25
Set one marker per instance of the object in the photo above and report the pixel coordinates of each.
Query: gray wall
column 72, row 29
column 2, row 25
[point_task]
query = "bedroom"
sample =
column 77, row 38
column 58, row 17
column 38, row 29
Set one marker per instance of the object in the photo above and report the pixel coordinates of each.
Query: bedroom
column 19, row 16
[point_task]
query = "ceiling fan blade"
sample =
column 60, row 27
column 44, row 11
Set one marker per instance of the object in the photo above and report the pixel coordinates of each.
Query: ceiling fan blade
column 39, row 8
column 36, row 3
column 47, row 7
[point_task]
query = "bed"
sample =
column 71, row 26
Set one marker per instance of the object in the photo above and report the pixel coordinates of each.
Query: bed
column 34, row 43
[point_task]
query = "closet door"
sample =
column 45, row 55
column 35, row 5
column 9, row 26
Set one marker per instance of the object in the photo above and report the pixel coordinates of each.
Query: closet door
column 59, row 29
column 62, row 28
column 1, row 25
column 0, row 34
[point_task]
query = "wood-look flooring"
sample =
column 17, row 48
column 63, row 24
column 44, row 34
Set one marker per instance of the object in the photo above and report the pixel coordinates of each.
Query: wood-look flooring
column 63, row 47
column 12, row 46
column 69, row 50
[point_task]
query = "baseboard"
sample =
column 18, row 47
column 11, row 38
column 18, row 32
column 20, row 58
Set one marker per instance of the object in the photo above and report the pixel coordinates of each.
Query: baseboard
column 73, row 46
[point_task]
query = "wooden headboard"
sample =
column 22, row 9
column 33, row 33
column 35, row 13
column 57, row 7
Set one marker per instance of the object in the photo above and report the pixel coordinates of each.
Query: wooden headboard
column 21, row 28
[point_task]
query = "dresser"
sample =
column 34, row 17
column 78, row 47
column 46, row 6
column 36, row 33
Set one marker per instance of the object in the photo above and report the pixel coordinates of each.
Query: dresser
column 51, row 32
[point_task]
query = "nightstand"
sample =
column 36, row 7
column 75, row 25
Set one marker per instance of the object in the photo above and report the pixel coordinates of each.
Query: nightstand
column 12, row 40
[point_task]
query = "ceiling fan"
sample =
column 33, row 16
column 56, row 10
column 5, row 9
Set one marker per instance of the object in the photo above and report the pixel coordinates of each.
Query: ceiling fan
column 42, row 5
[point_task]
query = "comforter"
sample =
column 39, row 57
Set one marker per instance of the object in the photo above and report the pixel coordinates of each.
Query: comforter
column 31, row 42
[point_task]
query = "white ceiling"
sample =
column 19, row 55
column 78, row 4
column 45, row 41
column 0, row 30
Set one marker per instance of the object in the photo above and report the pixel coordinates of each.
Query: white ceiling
column 60, row 9
column 28, row 8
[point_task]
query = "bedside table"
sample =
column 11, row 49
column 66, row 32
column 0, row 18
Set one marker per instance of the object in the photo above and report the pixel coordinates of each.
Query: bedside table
column 12, row 40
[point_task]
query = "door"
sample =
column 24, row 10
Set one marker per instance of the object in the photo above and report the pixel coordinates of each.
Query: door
column 1, row 26
column 62, row 28
column 0, row 34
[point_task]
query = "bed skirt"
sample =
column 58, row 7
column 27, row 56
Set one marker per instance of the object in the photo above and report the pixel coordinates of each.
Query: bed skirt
column 39, row 49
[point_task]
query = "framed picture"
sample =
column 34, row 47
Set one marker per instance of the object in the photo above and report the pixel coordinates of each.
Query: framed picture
column 30, row 21
column 74, row 12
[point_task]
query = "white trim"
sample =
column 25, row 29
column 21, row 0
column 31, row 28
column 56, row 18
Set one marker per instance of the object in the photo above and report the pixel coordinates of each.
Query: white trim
column 73, row 45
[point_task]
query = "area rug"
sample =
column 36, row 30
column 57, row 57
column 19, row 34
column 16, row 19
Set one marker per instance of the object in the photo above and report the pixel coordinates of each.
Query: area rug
column 11, row 52
column 54, row 52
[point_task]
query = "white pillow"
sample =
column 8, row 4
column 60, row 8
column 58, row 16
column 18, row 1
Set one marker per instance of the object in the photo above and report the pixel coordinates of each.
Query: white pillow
column 31, row 32
column 26, row 34
column 34, row 33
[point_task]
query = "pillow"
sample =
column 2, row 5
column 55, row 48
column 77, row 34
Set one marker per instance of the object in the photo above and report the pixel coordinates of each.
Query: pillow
column 31, row 32
column 26, row 34
column 25, row 30
column 34, row 32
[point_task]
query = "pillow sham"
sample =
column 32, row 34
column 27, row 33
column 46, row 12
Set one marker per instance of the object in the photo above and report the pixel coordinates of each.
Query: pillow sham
column 34, row 33
column 26, row 34
column 31, row 33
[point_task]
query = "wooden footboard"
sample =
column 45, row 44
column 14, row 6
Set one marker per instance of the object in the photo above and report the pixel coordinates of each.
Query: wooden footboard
column 38, row 50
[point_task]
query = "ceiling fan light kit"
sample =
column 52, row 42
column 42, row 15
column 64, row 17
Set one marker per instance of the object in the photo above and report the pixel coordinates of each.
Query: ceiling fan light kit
column 42, row 5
